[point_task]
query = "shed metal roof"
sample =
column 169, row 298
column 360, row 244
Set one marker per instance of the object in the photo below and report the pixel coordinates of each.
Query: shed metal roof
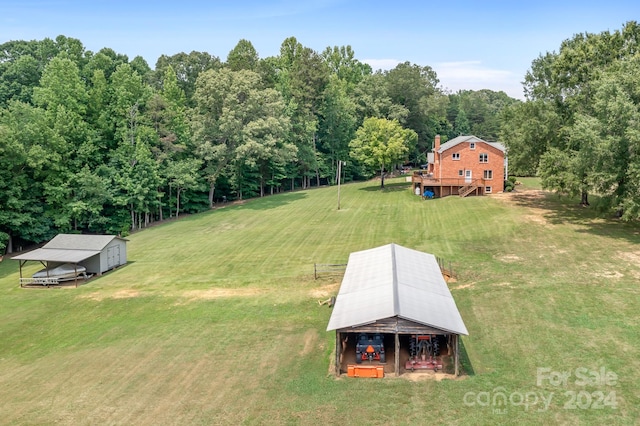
column 72, row 248
column 392, row 280
column 460, row 139
column 80, row 241
column 57, row 255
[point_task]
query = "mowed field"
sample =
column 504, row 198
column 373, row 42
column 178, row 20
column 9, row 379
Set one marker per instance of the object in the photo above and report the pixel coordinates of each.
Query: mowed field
column 215, row 320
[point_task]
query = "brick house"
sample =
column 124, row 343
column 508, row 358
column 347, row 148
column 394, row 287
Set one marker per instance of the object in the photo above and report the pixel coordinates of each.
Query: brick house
column 466, row 165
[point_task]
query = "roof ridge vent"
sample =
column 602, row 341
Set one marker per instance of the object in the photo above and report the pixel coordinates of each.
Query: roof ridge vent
column 394, row 266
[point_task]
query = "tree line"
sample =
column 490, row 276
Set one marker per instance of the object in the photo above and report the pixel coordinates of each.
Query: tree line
column 95, row 142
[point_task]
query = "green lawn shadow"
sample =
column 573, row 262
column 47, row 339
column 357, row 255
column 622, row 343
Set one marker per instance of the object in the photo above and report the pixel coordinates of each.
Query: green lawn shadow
column 466, row 366
column 560, row 210
column 388, row 187
column 271, row 201
column 5, row 266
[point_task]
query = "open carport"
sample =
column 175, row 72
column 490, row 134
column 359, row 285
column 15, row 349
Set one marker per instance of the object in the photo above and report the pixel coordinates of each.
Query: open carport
column 96, row 254
column 400, row 293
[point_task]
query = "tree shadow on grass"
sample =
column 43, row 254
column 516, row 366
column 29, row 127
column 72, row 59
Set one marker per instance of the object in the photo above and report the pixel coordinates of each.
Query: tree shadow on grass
column 388, row 187
column 265, row 203
column 465, row 363
column 270, row 201
column 6, row 267
column 561, row 210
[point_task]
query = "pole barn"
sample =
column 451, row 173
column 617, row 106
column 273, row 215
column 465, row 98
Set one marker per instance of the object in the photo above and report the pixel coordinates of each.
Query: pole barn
column 398, row 293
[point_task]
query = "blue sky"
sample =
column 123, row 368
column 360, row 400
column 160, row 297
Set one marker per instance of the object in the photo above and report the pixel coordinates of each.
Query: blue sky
column 470, row 44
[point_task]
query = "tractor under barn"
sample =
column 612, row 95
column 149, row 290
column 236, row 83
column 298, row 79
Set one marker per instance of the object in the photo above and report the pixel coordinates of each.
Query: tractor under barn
column 395, row 299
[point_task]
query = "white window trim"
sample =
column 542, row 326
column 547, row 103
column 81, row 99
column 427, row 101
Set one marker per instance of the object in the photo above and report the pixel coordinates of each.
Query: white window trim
column 480, row 158
column 455, row 156
column 472, row 145
column 487, row 190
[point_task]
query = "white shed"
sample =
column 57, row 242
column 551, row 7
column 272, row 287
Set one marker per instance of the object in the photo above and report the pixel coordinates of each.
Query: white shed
column 96, row 253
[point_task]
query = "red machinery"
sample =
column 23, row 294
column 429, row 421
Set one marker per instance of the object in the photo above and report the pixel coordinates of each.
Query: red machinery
column 424, row 351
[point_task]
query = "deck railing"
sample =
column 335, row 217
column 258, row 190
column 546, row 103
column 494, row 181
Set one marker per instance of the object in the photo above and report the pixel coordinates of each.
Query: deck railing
column 428, row 179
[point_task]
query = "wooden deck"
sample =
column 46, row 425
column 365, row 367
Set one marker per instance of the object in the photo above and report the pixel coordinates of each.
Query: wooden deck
column 447, row 186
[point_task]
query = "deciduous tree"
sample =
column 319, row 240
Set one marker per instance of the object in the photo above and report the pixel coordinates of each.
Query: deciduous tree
column 380, row 143
column 238, row 124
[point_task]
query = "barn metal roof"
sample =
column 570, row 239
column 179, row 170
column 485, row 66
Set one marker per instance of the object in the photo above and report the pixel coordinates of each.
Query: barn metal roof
column 390, row 281
column 460, row 139
column 71, row 248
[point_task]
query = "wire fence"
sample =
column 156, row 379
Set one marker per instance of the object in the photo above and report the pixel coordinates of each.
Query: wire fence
column 446, row 267
column 328, row 269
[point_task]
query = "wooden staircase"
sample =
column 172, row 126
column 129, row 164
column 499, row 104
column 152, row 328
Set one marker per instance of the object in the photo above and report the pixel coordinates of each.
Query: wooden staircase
column 463, row 191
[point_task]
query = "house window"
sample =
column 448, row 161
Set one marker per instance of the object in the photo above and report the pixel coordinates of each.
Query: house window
column 472, row 145
column 484, row 158
column 488, row 174
column 460, row 172
column 455, row 156
column 487, row 190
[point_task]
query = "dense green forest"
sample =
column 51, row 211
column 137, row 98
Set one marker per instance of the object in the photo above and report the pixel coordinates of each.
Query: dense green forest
column 95, row 142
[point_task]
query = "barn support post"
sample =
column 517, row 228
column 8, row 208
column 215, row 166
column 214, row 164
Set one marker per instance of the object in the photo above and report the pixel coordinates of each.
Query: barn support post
column 338, row 352
column 456, row 355
column 397, row 355
column 21, row 262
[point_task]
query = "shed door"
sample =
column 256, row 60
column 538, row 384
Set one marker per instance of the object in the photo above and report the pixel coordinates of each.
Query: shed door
column 467, row 176
column 113, row 256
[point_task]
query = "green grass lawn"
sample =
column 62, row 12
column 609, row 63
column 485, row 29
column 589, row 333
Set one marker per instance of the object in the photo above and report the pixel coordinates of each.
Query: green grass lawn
column 215, row 319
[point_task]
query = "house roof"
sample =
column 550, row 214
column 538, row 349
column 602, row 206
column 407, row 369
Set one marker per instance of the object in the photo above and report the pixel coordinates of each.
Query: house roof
column 461, row 139
column 391, row 281
column 69, row 248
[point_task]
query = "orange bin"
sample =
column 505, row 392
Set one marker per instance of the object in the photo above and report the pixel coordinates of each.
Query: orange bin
column 365, row 370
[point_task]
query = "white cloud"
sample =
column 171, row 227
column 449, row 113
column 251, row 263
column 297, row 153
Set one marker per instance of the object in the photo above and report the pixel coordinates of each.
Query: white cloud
column 465, row 75
column 472, row 75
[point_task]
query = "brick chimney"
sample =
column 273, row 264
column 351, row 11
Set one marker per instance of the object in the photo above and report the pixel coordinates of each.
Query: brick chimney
column 437, row 171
